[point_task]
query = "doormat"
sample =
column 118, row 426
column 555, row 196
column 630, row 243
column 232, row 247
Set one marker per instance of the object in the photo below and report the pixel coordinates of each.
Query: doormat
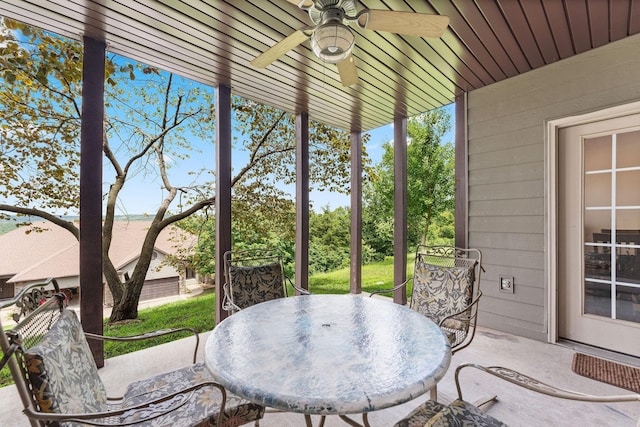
column 606, row 371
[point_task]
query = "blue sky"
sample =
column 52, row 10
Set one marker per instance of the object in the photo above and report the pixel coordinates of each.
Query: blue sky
column 143, row 194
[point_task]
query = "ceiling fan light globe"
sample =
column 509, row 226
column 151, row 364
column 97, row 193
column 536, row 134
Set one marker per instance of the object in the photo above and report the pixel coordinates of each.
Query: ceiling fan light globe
column 332, row 42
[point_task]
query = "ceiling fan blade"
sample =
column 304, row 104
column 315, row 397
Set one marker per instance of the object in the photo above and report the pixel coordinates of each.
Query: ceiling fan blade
column 408, row 23
column 348, row 71
column 302, row 4
column 279, row 49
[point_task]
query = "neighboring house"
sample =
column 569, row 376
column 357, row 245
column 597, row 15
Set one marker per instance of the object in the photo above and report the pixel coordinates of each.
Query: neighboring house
column 35, row 256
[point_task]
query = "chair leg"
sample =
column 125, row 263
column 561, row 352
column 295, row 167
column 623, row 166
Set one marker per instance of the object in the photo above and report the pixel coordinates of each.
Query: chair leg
column 484, row 400
column 433, row 393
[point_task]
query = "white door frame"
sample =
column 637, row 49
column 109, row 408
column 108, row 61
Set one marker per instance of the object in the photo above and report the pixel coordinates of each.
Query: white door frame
column 551, row 200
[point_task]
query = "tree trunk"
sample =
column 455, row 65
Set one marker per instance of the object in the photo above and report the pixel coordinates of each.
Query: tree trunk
column 427, row 221
column 127, row 308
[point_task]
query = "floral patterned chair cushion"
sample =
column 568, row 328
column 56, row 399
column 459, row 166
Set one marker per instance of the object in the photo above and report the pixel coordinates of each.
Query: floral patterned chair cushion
column 439, row 292
column 253, row 285
column 62, row 371
column 463, row 414
column 203, row 401
column 419, row 416
column 457, row 414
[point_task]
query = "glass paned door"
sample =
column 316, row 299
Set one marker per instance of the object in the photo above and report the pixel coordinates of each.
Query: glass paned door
column 612, row 226
column 598, row 234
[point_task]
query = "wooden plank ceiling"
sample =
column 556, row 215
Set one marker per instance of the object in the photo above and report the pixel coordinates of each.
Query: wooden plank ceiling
column 213, row 41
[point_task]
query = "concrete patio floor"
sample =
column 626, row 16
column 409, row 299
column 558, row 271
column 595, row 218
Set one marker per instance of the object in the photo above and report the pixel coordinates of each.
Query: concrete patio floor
column 515, row 406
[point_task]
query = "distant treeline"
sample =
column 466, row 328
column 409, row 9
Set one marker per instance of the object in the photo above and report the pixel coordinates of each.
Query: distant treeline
column 7, row 225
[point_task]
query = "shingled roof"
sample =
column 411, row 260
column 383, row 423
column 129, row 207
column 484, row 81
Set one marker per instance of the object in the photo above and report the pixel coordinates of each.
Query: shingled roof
column 53, row 252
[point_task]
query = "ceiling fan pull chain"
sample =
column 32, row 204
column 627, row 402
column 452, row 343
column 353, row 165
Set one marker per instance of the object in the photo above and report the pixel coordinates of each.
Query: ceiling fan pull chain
column 324, row 76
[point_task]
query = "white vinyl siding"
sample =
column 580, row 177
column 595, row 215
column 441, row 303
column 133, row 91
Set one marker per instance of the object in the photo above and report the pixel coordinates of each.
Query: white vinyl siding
column 157, row 270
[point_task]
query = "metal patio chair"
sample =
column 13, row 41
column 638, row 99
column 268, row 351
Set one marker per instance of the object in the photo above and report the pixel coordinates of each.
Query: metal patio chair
column 461, row 412
column 446, row 289
column 58, row 382
column 254, row 276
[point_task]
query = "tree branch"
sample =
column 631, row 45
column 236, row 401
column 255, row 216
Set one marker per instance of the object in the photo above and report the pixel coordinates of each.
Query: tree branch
column 68, row 225
column 167, row 91
column 106, row 149
column 266, row 135
column 155, row 139
column 184, row 214
column 255, row 159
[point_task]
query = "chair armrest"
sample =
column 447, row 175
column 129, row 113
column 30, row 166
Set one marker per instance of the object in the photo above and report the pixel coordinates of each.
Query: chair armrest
column 148, row 335
column 227, row 304
column 151, row 410
column 384, row 291
column 533, row 384
column 297, row 288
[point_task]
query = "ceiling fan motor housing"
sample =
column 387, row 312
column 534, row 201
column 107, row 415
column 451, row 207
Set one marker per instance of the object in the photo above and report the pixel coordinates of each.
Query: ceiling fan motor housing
column 332, row 40
column 318, row 12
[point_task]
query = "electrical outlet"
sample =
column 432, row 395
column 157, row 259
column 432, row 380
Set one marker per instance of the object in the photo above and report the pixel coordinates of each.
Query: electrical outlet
column 506, row 284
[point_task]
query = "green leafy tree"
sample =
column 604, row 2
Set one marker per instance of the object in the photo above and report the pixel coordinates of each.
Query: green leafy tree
column 430, row 170
column 442, row 229
column 430, row 183
column 258, row 228
column 330, row 240
column 151, row 116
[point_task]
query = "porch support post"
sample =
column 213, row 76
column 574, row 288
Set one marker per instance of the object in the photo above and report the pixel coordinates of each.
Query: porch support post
column 461, row 167
column 302, row 200
column 223, row 190
column 91, row 138
column 356, row 213
column 400, row 207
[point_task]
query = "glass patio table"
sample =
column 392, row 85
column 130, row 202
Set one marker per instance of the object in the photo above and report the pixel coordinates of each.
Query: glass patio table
column 328, row 355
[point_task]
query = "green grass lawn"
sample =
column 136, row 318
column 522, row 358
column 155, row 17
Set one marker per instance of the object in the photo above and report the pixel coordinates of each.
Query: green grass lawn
column 198, row 312
column 378, row 275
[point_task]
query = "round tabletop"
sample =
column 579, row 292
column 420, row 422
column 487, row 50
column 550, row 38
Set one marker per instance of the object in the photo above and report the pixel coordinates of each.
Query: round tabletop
column 327, row 354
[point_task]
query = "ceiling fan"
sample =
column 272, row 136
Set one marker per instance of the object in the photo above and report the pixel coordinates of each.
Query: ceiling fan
column 332, row 40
